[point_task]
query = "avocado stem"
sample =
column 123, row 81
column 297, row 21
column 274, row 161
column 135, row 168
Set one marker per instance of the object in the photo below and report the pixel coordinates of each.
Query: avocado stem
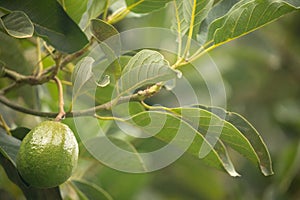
column 61, row 114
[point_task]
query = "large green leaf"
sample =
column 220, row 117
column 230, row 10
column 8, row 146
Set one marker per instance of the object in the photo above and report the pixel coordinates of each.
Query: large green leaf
column 181, row 137
column 250, row 133
column 17, row 24
column 91, row 191
column 244, row 17
column 50, row 22
column 215, row 128
column 145, row 6
column 146, row 67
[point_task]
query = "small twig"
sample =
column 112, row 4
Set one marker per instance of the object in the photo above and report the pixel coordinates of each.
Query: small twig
column 73, row 56
column 8, row 88
column 4, row 125
column 61, row 113
column 105, row 10
column 109, row 118
column 40, row 66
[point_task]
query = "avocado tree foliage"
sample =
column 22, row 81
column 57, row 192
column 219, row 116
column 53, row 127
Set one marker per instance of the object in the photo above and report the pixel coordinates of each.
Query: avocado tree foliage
column 60, row 34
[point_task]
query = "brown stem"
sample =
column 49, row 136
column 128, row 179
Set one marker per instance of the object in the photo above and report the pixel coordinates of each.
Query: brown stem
column 140, row 96
column 61, row 113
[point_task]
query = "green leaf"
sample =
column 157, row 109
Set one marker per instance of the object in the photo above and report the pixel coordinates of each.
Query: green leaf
column 217, row 11
column 146, row 67
column 17, row 24
column 145, row 6
column 20, row 132
column 244, row 17
column 250, row 133
column 102, row 30
column 85, row 10
column 114, row 157
column 110, row 44
column 91, row 191
column 13, row 57
column 50, row 22
column 75, row 8
column 9, row 146
column 83, row 77
column 182, row 137
column 189, row 15
column 215, row 128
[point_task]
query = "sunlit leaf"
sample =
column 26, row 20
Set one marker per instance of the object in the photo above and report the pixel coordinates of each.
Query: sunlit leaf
column 17, row 24
column 244, row 17
column 75, row 9
column 146, row 67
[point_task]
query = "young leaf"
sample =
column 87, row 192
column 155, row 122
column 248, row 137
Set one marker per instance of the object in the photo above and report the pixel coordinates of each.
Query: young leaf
column 244, row 17
column 250, row 133
column 145, row 6
column 180, row 137
column 91, row 191
column 50, row 22
column 17, row 24
column 146, row 67
column 190, row 14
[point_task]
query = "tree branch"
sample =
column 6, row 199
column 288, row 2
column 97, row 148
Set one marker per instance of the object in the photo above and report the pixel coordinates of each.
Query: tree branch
column 139, row 96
